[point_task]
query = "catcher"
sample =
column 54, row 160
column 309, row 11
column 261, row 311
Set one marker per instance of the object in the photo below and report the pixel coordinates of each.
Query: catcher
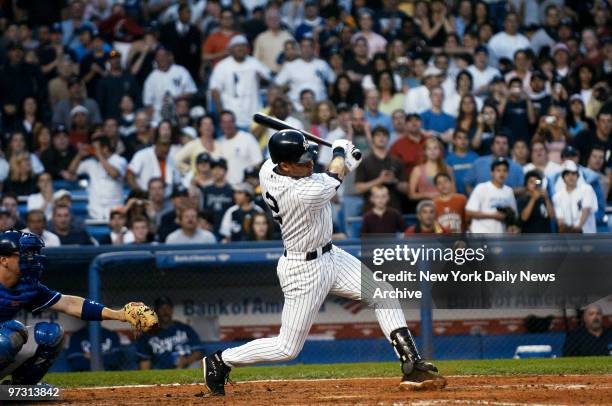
column 27, row 353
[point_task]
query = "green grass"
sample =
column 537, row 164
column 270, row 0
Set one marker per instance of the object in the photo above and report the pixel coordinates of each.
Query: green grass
column 584, row 365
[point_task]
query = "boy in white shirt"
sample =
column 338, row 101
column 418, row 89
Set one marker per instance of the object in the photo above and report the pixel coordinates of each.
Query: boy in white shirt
column 492, row 203
column 576, row 203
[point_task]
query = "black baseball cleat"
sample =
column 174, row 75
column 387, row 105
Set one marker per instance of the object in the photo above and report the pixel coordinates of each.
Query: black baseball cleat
column 424, row 376
column 216, row 374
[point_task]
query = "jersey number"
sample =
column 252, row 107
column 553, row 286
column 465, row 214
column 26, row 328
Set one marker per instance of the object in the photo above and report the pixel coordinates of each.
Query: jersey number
column 273, row 204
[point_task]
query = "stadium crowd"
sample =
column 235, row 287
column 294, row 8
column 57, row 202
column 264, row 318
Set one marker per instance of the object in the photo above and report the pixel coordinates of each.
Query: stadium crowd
column 483, row 116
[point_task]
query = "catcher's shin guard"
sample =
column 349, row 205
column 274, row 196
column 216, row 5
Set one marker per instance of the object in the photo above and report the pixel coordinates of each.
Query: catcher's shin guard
column 216, row 373
column 49, row 337
column 417, row 374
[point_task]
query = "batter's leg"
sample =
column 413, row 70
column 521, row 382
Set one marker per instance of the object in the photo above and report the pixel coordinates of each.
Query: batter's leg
column 355, row 281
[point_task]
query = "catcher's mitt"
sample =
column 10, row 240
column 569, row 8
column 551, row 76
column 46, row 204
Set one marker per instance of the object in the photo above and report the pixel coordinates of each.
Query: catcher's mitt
column 141, row 316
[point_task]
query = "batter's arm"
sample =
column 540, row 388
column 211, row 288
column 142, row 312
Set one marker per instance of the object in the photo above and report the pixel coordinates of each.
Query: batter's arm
column 337, row 167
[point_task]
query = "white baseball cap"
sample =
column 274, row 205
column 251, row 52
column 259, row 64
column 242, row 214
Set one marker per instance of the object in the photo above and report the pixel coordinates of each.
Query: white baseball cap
column 78, row 109
column 238, row 40
column 569, row 166
column 432, row 71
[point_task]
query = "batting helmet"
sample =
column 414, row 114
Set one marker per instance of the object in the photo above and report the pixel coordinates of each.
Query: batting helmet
column 291, row 146
column 9, row 242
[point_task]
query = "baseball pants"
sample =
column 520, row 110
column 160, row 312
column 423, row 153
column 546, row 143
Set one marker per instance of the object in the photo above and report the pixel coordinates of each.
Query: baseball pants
column 305, row 285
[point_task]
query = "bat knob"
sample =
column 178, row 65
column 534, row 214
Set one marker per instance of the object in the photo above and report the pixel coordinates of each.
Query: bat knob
column 357, row 154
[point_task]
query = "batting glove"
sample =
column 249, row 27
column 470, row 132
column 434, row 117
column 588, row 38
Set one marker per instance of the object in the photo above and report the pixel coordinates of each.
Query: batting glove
column 350, row 161
column 341, row 144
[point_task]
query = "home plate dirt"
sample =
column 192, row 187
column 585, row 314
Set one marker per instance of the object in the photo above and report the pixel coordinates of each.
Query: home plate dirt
column 482, row 390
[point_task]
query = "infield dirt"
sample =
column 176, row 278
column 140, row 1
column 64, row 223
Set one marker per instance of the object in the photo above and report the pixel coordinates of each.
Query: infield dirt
column 483, row 390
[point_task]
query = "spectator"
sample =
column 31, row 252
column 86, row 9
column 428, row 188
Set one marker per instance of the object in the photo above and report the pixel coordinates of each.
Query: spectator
column 492, row 206
column 461, row 103
column 36, row 224
column 261, row 228
column 190, row 233
column 410, row 148
column 43, row 200
column 461, row 159
column 168, row 223
column 74, row 22
column 307, row 107
column 520, row 152
column 78, row 353
column 235, row 82
column 9, row 202
column 306, row 72
column 113, row 86
column 539, row 162
column 68, row 233
column 215, row 46
column 202, row 176
column 17, row 145
column 450, row 206
column 426, row 220
column 269, row 44
column 93, row 65
column 517, row 112
column 346, row 91
column 421, row 183
column 373, row 116
column 478, row 173
column 236, row 220
column 505, row 43
column 381, row 218
column 601, row 136
column 154, row 162
column 6, row 220
column 596, row 163
column 591, row 338
column 219, row 196
column 575, row 203
column 577, row 121
column 174, row 346
column 390, row 98
column 435, row 121
column 58, row 86
column 63, row 110
column 398, row 119
column 417, row 99
column 488, row 124
column 22, row 180
column 142, row 136
column 42, row 140
column 106, row 171
column 166, row 84
column 280, row 108
column 29, row 119
column 56, row 159
column 376, row 42
column 535, row 208
column 18, row 80
column 119, row 234
column 239, row 148
column 482, row 73
column 184, row 39
column 553, row 132
column 140, row 230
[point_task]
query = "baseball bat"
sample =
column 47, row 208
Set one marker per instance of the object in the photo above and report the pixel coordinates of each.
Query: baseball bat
column 276, row 124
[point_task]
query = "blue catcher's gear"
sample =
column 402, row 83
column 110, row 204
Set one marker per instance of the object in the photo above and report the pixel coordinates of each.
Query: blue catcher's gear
column 9, row 242
column 50, row 338
column 13, row 335
column 31, row 261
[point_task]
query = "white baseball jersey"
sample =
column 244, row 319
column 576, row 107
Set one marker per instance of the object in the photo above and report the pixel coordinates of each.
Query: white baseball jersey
column 300, row 75
column 303, row 209
column 173, row 82
column 238, row 83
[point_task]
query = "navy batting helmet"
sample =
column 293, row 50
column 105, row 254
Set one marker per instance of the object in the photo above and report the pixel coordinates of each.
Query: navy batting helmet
column 291, row 146
column 9, row 242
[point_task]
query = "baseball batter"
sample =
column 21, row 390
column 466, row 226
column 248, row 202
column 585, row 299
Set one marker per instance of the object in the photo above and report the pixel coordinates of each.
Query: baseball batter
column 312, row 267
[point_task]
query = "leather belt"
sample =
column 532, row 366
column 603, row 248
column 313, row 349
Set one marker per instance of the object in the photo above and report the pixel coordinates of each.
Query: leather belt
column 308, row 256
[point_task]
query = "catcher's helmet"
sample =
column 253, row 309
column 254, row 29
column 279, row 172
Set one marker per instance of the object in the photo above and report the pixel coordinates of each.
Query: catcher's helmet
column 9, row 242
column 291, row 146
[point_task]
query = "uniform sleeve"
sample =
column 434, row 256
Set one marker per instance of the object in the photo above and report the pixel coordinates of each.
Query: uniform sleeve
column 216, row 79
column 84, row 166
column 590, row 199
column 330, row 76
column 189, row 85
column 136, row 164
column 43, row 299
column 473, row 203
column 317, row 190
column 147, row 92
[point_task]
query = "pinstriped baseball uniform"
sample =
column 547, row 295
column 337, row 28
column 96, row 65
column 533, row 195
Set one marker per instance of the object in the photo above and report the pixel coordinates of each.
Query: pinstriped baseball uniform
column 302, row 206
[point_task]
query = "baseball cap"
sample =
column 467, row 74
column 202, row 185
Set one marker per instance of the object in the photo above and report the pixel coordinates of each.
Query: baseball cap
column 61, row 193
column 251, row 172
column 500, row 160
column 569, row 166
column 190, row 132
column 575, row 97
column 73, row 80
column 203, row 157
column 245, row 188
column 55, row 28
column 481, row 48
column 58, row 129
column 538, row 74
column 432, row 71
column 569, row 151
column 219, row 162
column 238, row 40
column 342, row 107
column 410, row 116
column 559, row 47
column 196, row 112
column 179, row 191
column 424, row 203
column 78, row 109
column 162, row 300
